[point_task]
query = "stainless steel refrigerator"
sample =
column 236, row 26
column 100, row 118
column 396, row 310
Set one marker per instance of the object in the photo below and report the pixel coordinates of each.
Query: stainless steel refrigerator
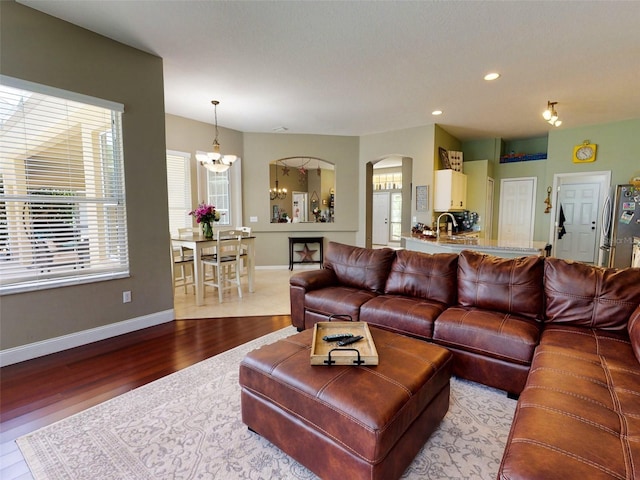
column 620, row 224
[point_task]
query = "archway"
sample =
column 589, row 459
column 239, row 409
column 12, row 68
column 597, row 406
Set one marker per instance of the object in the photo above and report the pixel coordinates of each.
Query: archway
column 402, row 164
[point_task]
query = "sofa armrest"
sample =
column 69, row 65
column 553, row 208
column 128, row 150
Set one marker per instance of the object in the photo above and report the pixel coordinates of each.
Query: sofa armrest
column 313, row 279
column 303, row 282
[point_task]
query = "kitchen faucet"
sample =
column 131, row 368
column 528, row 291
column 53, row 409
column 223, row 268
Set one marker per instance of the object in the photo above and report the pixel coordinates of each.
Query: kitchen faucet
column 453, row 219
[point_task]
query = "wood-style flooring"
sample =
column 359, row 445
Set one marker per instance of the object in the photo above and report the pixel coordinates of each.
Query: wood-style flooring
column 38, row 392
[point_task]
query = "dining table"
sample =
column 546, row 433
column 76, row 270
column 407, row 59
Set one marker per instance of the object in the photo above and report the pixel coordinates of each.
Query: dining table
column 198, row 243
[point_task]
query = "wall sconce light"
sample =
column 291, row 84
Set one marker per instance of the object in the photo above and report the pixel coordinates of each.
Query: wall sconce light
column 551, row 115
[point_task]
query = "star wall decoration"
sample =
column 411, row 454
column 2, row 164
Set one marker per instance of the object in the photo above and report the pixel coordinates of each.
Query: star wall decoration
column 306, row 255
column 285, row 170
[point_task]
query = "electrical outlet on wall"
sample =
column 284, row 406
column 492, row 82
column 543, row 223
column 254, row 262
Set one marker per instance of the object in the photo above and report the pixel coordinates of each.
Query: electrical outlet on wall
column 126, row 296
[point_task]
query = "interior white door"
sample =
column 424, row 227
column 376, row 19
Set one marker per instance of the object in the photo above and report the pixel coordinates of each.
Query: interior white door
column 578, row 204
column 380, row 221
column 517, row 215
column 299, row 206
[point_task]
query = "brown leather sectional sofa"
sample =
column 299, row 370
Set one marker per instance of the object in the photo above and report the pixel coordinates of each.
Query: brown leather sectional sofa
column 564, row 336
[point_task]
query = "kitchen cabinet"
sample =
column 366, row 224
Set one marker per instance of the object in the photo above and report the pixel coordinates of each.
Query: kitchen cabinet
column 450, row 191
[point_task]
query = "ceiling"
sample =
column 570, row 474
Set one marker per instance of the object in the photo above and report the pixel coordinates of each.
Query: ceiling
column 364, row 67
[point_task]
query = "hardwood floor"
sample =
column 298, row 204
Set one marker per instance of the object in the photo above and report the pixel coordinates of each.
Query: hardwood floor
column 41, row 391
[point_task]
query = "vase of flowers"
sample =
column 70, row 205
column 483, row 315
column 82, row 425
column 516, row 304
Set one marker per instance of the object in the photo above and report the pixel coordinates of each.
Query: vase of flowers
column 205, row 215
column 207, row 229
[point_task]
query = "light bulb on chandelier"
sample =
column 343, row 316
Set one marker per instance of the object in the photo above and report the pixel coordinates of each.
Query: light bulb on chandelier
column 215, row 161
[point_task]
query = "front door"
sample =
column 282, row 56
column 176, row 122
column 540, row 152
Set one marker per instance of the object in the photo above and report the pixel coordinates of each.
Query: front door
column 577, row 222
column 380, row 220
column 516, row 216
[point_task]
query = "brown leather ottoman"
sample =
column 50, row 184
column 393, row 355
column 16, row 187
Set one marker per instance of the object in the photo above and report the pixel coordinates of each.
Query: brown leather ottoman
column 355, row 422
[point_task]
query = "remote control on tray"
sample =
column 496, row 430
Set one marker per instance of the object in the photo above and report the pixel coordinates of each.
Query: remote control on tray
column 349, row 341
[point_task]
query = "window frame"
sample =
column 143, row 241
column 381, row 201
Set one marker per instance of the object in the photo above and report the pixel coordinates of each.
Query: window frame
column 63, row 210
column 234, row 173
column 180, row 211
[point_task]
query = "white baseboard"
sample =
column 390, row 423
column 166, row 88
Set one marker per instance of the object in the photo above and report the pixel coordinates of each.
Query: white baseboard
column 298, row 266
column 53, row 345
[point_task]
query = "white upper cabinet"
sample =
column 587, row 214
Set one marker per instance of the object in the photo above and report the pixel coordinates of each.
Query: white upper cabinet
column 450, row 191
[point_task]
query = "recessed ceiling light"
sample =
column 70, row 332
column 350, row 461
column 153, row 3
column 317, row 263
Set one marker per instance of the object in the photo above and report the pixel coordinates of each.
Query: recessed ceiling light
column 280, row 129
column 491, row 76
column 436, row 112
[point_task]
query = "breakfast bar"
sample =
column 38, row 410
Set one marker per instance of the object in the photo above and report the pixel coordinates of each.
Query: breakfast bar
column 457, row 243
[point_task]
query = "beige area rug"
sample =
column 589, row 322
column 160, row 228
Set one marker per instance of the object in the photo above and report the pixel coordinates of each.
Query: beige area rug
column 187, row 426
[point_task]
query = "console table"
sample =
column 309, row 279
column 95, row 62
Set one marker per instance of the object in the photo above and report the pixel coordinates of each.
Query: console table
column 308, row 254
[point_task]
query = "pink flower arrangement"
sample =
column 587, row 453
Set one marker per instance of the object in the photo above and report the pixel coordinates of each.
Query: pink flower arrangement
column 205, row 213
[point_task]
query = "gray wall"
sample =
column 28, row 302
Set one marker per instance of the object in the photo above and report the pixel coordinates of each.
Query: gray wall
column 40, row 48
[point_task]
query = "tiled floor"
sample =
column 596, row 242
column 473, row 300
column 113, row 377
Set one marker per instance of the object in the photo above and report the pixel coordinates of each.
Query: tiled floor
column 271, row 297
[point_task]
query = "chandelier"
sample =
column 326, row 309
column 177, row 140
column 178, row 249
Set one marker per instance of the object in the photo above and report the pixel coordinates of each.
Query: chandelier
column 277, row 193
column 550, row 114
column 215, row 161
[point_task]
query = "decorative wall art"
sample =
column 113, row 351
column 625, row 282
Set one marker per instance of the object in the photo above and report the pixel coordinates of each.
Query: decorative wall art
column 422, row 198
column 444, row 158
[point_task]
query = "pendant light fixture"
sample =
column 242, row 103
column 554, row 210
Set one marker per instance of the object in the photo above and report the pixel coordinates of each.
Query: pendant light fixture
column 550, row 114
column 215, row 161
column 277, row 193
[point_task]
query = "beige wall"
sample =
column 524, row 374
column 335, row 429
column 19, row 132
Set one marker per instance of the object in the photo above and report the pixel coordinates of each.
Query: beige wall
column 272, row 244
column 42, row 49
column 416, row 143
column 257, row 150
column 190, row 136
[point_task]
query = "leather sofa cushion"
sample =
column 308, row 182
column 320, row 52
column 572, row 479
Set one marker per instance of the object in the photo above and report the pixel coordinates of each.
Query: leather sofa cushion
column 579, row 415
column 357, row 267
column 588, row 296
column 511, row 285
column 337, row 301
column 422, row 275
column 634, row 332
column 365, row 409
column 492, row 334
column 411, row 316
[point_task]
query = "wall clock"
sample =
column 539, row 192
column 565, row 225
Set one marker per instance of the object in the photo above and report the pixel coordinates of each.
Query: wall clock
column 585, row 152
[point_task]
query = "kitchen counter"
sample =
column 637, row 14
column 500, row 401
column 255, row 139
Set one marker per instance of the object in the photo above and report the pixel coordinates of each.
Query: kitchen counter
column 457, row 243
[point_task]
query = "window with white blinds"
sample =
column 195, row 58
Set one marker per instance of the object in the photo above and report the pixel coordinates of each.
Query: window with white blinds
column 62, row 196
column 179, row 190
column 218, row 194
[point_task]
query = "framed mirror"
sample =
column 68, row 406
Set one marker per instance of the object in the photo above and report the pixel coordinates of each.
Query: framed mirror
column 302, row 190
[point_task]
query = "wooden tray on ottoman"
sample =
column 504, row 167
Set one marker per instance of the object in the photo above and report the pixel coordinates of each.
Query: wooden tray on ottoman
column 329, row 353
